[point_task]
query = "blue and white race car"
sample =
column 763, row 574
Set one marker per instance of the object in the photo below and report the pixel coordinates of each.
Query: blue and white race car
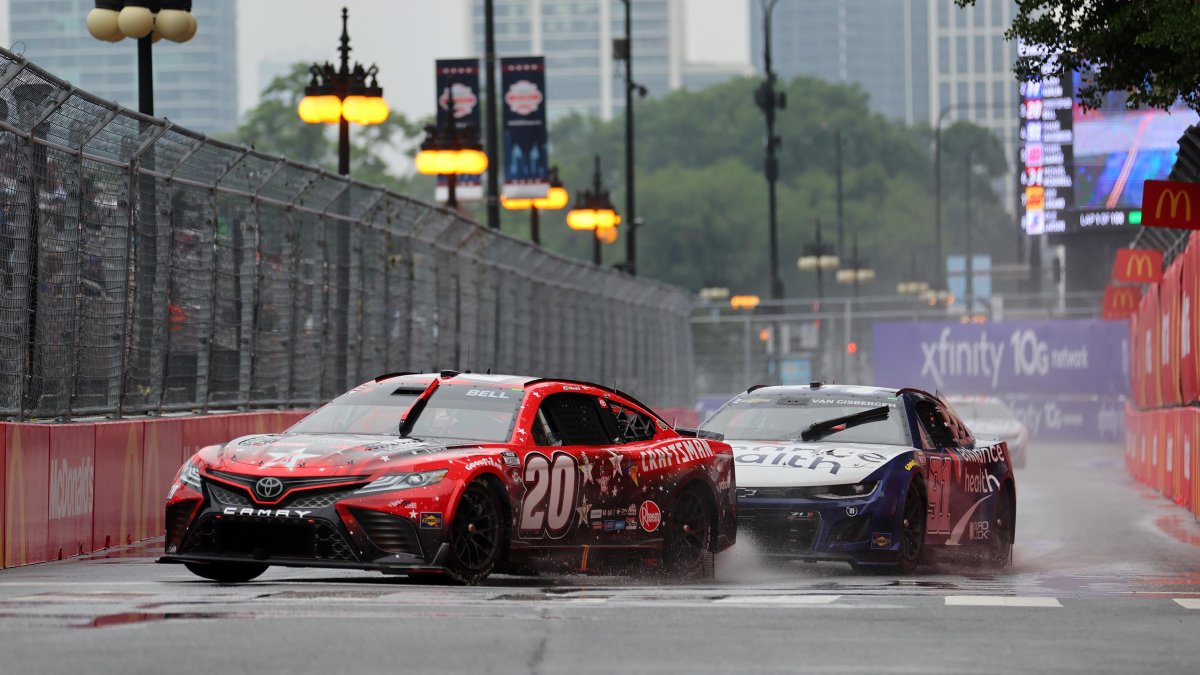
column 871, row 476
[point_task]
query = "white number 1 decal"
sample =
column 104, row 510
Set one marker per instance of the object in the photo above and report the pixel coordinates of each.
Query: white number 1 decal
column 551, row 492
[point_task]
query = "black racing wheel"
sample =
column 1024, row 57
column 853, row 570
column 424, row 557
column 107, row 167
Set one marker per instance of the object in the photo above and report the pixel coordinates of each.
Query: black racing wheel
column 476, row 537
column 688, row 537
column 912, row 528
column 1004, row 523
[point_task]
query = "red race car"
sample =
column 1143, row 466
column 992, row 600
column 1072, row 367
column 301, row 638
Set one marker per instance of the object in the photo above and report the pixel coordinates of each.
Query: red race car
column 457, row 474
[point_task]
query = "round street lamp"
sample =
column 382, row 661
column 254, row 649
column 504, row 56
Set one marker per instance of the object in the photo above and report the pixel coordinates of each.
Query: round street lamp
column 146, row 21
column 857, row 271
column 343, row 96
column 914, row 284
column 818, row 256
column 556, row 198
column 594, row 211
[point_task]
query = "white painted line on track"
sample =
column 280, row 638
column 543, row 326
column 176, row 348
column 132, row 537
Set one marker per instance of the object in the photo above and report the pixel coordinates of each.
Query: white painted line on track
column 1188, row 603
column 1000, row 601
column 777, row 600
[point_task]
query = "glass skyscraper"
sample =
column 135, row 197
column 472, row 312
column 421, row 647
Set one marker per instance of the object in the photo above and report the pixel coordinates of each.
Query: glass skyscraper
column 195, row 83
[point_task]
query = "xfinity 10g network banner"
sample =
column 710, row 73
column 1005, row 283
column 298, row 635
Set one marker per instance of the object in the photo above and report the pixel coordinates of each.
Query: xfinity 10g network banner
column 1084, row 357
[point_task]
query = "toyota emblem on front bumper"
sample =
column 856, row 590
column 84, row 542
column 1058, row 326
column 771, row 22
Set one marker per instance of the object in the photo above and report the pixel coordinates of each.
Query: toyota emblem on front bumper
column 269, row 487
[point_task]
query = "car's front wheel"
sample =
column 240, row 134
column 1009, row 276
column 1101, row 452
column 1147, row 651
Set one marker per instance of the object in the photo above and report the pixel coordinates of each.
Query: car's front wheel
column 687, row 541
column 227, row 572
column 912, row 528
column 476, row 536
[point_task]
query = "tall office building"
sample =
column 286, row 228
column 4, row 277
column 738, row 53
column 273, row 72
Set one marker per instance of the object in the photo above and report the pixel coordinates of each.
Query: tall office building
column 914, row 58
column 195, row 83
column 576, row 38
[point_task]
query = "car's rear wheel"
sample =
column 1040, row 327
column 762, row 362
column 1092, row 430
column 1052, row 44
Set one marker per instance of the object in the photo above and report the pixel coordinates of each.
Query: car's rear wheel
column 688, row 537
column 476, row 536
column 227, row 572
column 1003, row 529
column 912, row 528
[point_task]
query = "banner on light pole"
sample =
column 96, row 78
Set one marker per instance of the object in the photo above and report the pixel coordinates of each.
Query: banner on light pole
column 457, row 82
column 523, row 93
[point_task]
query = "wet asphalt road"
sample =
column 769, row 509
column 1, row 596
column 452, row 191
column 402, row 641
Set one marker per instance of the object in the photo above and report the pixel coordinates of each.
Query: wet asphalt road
column 1106, row 579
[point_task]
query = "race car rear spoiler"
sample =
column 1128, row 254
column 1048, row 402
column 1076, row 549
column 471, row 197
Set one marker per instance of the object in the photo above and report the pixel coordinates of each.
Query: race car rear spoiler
column 699, row 433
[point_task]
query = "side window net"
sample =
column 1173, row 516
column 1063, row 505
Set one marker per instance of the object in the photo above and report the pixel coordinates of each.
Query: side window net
column 574, row 419
column 935, row 425
column 632, row 425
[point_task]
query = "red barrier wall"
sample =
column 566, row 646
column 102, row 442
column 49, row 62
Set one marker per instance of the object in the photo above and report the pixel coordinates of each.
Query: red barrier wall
column 26, row 490
column 72, row 489
column 75, row 488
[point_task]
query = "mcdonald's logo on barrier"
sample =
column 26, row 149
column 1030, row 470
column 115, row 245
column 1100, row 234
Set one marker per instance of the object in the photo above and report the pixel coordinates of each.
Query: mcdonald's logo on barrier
column 1138, row 265
column 1171, row 204
column 1120, row 302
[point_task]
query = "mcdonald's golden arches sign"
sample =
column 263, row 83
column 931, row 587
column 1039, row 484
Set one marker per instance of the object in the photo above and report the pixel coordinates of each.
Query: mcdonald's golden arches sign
column 1120, row 302
column 1171, row 204
column 1138, row 265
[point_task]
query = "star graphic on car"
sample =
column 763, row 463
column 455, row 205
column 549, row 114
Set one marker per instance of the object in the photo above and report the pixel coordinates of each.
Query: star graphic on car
column 583, row 513
column 585, row 468
column 289, row 459
column 616, row 461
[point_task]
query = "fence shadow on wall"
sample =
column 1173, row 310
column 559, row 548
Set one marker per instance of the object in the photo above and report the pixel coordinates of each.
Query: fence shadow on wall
column 147, row 268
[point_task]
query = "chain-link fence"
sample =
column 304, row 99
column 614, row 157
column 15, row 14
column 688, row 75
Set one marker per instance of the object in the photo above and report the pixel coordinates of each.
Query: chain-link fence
column 147, row 268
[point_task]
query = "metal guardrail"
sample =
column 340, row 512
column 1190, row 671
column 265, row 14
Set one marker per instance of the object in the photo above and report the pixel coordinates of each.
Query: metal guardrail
column 145, row 268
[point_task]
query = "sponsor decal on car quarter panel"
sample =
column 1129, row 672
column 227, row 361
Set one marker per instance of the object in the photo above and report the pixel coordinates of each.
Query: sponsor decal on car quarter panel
column 431, row 520
column 650, row 516
column 881, row 539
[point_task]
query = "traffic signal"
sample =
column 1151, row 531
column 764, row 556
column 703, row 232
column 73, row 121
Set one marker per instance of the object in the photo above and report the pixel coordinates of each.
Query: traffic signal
column 852, row 347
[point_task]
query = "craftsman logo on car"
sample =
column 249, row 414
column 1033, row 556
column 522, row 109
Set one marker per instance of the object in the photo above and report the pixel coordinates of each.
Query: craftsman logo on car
column 650, row 516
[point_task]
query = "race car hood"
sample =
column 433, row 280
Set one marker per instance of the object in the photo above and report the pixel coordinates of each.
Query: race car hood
column 326, row 454
column 760, row 464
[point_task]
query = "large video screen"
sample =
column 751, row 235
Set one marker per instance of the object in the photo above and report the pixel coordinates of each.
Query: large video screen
column 1083, row 170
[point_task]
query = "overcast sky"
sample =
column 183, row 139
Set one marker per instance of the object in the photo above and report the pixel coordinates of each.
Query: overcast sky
column 404, row 37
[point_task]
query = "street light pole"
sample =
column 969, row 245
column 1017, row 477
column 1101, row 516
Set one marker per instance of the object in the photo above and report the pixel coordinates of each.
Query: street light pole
column 145, row 75
column 630, row 200
column 970, row 175
column 768, row 100
column 493, row 185
column 837, row 162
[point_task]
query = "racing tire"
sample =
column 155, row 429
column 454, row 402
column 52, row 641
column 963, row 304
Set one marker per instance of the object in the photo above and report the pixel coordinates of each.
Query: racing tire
column 1003, row 528
column 227, row 572
column 688, row 537
column 912, row 528
column 476, row 535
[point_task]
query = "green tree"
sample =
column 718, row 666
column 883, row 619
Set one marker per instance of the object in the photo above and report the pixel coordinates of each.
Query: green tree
column 703, row 195
column 1149, row 49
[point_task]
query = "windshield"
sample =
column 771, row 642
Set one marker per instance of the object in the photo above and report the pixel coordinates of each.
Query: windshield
column 468, row 412
column 785, row 418
column 375, row 410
